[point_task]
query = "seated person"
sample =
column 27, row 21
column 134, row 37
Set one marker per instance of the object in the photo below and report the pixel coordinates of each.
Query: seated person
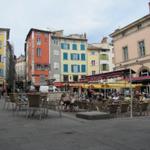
column 115, row 98
column 65, row 100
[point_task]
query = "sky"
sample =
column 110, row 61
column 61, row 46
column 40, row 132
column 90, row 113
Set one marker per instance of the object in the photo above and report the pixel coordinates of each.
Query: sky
column 96, row 18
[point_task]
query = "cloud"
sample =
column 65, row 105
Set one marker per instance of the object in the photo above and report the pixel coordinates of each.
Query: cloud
column 95, row 17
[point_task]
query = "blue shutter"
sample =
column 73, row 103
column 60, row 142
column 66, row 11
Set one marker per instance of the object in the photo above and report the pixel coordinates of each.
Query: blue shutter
column 71, row 56
column 74, row 46
column 62, row 45
column 78, row 68
column 82, row 47
column 65, row 68
column 78, row 56
column 83, row 68
column 82, row 56
column 72, row 68
column 65, row 56
column 68, row 46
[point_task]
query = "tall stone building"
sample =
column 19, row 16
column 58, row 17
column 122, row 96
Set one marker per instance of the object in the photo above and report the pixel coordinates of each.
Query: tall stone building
column 132, row 49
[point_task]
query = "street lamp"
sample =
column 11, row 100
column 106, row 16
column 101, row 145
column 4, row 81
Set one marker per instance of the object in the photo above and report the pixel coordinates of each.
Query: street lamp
column 131, row 94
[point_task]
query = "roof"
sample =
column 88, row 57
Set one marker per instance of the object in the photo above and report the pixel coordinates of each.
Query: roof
column 69, row 38
column 92, row 47
column 37, row 30
column 99, row 46
column 118, row 31
column 56, row 36
column 7, row 30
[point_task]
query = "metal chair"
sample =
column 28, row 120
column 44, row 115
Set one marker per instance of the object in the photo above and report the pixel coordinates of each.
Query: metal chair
column 34, row 103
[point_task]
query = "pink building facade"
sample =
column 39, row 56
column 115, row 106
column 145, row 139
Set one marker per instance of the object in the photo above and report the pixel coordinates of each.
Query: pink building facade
column 132, row 49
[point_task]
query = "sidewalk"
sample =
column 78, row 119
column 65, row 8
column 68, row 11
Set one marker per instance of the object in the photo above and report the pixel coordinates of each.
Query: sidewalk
column 71, row 133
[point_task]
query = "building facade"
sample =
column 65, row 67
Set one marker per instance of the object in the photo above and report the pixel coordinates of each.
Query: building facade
column 20, row 68
column 37, row 49
column 68, row 55
column 4, row 36
column 100, row 57
column 132, row 48
column 7, row 61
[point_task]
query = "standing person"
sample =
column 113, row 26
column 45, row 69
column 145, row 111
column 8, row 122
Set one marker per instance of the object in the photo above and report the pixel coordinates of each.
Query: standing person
column 89, row 94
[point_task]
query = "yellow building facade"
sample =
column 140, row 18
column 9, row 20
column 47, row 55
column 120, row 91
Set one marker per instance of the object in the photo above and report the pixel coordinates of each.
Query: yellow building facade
column 73, row 59
column 100, row 58
column 4, row 35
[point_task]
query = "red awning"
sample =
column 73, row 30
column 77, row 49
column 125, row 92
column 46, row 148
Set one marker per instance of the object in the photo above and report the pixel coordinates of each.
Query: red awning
column 108, row 75
column 58, row 84
column 142, row 78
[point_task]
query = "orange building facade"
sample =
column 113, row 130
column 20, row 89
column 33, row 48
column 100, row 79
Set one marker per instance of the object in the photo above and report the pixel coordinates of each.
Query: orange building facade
column 37, row 51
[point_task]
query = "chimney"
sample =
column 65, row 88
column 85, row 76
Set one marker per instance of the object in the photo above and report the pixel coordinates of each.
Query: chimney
column 84, row 35
column 104, row 40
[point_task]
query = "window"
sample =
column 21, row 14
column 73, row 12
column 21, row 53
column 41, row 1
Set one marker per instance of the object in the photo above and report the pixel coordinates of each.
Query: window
column 65, row 68
column 104, row 57
column 75, row 68
column 65, row 46
column 41, row 67
column 93, row 72
column 105, row 67
column 139, row 26
column 74, row 46
column 37, row 67
column 42, row 79
column 38, row 41
column 144, row 72
column 125, row 53
column 65, row 56
column 141, row 48
column 75, row 56
column 82, row 56
column 82, row 47
column 75, row 78
column 83, row 68
column 93, row 62
column 1, row 44
column 56, row 65
column 55, row 41
column 1, row 72
column 38, row 33
column 38, row 50
column 65, row 78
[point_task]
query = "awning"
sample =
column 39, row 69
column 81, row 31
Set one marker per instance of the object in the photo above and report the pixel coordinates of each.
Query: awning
column 108, row 75
column 75, row 84
column 141, row 79
column 59, row 84
column 110, row 86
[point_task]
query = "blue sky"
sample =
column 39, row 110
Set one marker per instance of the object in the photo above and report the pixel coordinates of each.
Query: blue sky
column 97, row 18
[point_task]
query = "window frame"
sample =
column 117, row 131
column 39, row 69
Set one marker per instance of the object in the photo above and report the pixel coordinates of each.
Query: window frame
column 140, row 51
column 39, row 52
column 125, row 57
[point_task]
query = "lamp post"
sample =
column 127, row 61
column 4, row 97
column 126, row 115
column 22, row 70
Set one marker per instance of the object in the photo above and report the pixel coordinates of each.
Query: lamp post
column 131, row 94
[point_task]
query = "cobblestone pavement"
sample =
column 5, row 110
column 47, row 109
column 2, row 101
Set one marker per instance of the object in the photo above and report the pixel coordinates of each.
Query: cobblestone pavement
column 71, row 133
